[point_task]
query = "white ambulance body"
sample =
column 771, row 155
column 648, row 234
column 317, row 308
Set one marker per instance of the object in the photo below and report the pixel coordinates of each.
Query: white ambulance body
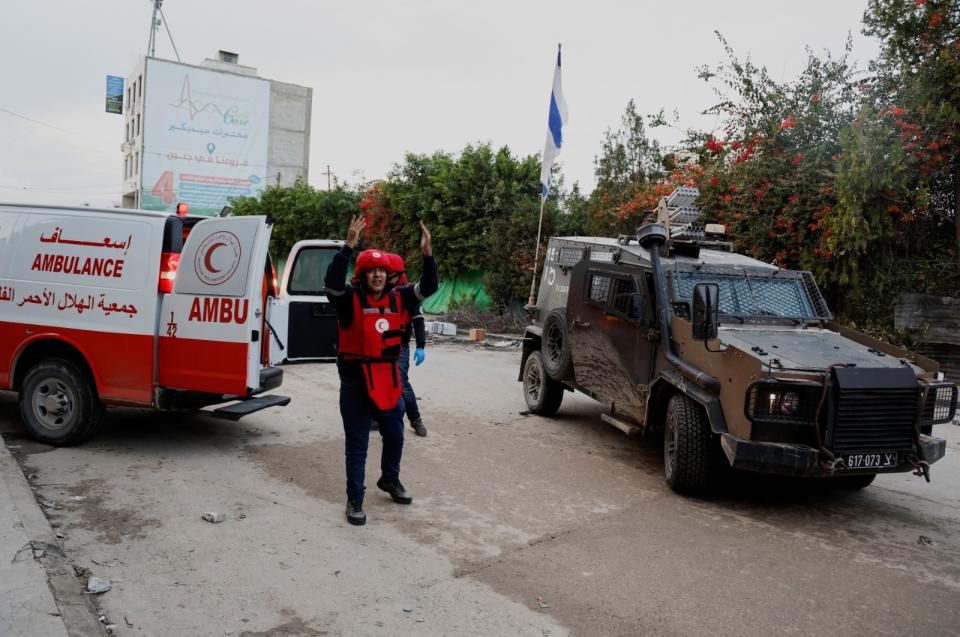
column 126, row 307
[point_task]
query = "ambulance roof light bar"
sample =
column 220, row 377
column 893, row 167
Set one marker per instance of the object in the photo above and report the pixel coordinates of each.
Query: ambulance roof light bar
column 182, row 209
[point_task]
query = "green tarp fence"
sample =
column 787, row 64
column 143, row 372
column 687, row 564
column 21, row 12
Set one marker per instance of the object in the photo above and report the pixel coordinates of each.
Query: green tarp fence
column 464, row 289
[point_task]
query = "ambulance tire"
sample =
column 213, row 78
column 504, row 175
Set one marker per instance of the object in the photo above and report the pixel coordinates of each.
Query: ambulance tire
column 556, row 346
column 59, row 403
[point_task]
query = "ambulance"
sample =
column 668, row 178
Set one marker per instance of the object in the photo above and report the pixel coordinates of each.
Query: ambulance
column 109, row 307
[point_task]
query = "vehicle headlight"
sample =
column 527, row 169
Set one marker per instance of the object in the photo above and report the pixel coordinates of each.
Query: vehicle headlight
column 939, row 403
column 778, row 402
column 790, row 403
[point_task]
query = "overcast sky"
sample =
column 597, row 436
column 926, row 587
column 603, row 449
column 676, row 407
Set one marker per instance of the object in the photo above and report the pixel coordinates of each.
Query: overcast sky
column 388, row 77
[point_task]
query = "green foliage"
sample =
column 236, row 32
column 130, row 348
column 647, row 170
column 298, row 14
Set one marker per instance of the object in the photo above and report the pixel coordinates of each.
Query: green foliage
column 300, row 212
column 629, row 161
column 482, row 207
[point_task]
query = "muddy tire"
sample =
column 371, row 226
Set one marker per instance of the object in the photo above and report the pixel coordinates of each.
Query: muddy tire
column 59, row 403
column 556, row 346
column 542, row 394
column 688, row 459
column 854, row 482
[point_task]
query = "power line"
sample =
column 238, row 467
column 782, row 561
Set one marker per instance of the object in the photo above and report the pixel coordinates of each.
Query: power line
column 37, row 121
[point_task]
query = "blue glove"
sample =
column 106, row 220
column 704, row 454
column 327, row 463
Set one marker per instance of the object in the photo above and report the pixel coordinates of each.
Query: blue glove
column 419, row 355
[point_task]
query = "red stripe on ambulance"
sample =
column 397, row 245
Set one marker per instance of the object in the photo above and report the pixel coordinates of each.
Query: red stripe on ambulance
column 122, row 364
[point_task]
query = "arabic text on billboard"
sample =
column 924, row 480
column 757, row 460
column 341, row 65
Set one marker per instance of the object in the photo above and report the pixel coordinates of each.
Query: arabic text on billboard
column 114, row 94
column 205, row 137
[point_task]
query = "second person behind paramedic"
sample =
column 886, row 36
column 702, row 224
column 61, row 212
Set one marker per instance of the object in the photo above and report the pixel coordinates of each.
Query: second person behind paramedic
column 369, row 325
column 413, row 326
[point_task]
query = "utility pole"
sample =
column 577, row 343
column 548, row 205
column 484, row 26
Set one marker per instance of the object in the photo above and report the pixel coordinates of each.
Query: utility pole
column 328, row 174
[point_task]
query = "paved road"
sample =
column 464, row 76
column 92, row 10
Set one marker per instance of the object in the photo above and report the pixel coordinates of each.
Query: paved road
column 508, row 508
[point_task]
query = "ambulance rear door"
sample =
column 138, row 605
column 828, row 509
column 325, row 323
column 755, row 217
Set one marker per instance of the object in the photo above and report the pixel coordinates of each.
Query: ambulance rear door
column 303, row 317
column 211, row 325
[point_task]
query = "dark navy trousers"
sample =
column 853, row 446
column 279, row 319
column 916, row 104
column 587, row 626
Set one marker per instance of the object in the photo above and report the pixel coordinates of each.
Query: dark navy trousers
column 409, row 398
column 357, row 411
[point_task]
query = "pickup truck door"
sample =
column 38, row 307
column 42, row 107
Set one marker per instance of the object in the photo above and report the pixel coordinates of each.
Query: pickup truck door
column 211, row 325
column 303, row 317
column 611, row 352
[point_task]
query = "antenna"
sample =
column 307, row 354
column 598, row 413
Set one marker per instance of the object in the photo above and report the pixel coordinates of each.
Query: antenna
column 155, row 23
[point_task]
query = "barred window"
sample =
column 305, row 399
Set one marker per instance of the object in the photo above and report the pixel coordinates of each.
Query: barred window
column 600, row 288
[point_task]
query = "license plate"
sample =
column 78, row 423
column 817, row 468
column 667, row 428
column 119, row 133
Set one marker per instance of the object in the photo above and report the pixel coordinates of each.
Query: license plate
column 880, row 460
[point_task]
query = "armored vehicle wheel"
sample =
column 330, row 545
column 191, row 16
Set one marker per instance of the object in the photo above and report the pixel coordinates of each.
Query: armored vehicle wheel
column 556, row 347
column 542, row 393
column 853, row 483
column 59, row 404
column 687, row 462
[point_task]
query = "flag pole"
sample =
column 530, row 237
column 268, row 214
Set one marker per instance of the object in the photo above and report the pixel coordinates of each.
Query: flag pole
column 536, row 256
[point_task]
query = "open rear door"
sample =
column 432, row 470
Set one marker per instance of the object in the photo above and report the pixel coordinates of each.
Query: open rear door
column 211, row 325
column 305, row 319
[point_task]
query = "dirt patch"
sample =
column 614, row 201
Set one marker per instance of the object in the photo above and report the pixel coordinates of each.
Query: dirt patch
column 112, row 526
column 295, row 627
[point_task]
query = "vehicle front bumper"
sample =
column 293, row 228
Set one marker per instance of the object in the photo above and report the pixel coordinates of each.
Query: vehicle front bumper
column 802, row 460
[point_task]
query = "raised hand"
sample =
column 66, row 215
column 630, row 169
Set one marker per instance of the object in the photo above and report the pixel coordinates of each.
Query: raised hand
column 426, row 243
column 357, row 224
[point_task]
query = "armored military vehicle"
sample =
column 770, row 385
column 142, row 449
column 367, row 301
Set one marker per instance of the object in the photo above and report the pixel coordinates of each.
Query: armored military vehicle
column 736, row 361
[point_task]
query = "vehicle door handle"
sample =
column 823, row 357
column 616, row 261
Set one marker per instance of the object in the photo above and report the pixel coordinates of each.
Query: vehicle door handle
column 576, row 323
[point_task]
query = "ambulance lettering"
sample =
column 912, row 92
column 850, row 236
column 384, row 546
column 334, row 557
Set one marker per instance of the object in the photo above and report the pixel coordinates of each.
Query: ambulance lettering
column 89, row 266
column 219, row 310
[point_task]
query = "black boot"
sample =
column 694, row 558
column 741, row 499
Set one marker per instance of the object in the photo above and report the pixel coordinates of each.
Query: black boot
column 355, row 514
column 396, row 491
column 418, row 427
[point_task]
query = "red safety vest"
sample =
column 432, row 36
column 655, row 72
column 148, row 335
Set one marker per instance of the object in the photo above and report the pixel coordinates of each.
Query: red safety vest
column 374, row 339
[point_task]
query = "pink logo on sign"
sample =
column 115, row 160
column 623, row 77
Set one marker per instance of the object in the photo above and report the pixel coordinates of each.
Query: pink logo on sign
column 217, row 258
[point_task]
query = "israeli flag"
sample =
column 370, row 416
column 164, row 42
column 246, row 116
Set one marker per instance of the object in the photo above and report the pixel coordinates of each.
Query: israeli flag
column 556, row 120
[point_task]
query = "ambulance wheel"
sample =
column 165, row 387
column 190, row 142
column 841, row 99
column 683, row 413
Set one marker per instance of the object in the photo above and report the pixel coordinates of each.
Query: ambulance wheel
column 542, row 394
column 556, row 346
column 688, row 463
column 59, row 404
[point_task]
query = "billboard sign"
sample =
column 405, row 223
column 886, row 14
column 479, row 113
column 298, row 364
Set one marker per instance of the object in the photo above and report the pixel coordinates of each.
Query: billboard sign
column 204, row 137
column 114, row 94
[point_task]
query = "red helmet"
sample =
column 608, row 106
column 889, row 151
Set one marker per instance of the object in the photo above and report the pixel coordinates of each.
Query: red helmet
column 370, row 260
column 397, row 266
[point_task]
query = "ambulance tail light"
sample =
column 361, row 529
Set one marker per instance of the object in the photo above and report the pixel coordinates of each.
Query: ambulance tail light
column 168, row 271
column 273, row 277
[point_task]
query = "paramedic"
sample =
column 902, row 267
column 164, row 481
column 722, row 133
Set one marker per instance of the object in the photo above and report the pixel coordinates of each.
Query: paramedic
column 368, row 319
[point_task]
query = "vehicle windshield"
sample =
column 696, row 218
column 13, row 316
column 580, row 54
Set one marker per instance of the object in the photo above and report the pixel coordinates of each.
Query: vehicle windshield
column 753, row 294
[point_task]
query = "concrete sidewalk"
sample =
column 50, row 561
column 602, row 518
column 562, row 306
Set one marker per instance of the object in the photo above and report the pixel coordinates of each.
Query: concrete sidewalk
column 32, row 567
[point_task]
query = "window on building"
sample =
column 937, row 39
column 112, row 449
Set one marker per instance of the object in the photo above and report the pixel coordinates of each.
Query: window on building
column 136, row 163
column 128, row 98
column 138, row 125
column 140, row 86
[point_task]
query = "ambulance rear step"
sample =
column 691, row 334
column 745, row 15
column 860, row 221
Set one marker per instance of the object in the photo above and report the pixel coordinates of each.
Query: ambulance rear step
column 242, row 408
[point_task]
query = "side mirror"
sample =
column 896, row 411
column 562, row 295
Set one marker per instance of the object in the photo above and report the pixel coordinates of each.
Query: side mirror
column 637, row 307
column 706, row 311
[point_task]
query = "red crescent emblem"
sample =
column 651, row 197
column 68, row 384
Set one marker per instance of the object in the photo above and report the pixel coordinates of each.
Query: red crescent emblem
column 206, row 257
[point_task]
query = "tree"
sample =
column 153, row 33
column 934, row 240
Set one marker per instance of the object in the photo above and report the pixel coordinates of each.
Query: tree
column 300, row 212
column 913, row 109
column 629, row 161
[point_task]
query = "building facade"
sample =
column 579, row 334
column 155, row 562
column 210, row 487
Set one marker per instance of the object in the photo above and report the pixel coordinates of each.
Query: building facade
column 201, row 134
